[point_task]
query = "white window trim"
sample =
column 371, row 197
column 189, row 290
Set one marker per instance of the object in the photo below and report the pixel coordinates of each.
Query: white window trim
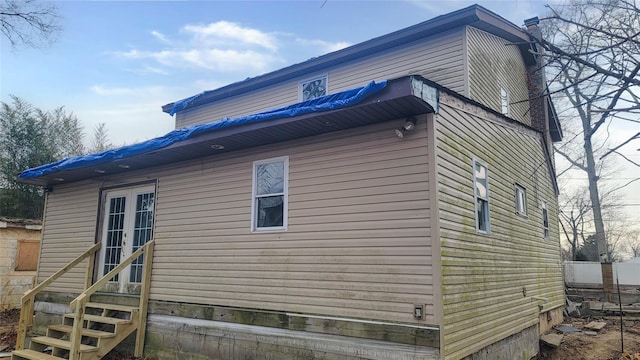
column 520, row 188
column 505, row 106
column 545, row 228
column 318, row 77
column 285, row 207
column 475, row 198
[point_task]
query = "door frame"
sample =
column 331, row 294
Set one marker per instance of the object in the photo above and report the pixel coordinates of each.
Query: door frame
column 102, row 211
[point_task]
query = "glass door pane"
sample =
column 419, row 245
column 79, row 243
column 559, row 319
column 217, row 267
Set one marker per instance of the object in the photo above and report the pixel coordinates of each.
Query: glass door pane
column 114, row 234
column 142, row 231
column 127, row 225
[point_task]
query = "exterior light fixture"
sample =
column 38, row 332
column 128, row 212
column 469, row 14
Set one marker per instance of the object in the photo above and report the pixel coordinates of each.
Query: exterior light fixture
column 58, row 179
column 410, row 124
column 98, row 171
column 217, row 146
column 123, row 166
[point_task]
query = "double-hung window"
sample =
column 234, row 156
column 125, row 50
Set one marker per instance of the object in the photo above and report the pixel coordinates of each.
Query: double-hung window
column 521, row 200
column 269, row 206
column 481, row 197
column 545, row 220
column 504, row 102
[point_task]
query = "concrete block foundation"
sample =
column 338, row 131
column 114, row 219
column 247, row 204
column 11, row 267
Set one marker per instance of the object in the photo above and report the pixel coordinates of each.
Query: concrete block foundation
column 521, row 346
column 184, row 338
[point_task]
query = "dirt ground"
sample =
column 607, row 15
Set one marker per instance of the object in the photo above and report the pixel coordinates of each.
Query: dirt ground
column 605, row 345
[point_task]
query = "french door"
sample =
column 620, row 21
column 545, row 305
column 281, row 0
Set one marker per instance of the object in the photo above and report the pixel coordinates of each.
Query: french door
column 127, row 224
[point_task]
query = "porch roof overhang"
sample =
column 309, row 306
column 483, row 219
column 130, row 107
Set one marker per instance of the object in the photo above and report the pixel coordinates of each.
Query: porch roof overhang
column 398, row 98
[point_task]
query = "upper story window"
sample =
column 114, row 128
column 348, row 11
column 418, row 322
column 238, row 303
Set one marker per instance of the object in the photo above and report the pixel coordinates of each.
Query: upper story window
column 270, row 193
column 481, row 197
column 504, row 101
column 313, row 88
column 521, row 200
column 545, row 220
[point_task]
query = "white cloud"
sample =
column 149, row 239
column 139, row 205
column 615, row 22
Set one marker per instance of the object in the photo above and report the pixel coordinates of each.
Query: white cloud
column 131, row 114
column 324, row 46
column 218, row 47
column 127, row 123
column 142, row 92
column 154, row 70
column 160, row 36
column 209, row 59
column 228, row 33
column 105, row 91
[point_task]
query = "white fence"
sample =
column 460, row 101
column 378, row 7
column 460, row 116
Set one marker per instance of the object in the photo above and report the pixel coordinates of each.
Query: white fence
column 589, row 274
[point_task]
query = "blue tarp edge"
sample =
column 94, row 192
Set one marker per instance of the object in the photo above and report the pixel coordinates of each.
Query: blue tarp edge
column 326, row 103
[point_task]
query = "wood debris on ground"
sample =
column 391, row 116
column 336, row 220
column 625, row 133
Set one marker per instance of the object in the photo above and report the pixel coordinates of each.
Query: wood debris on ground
column 627, row 356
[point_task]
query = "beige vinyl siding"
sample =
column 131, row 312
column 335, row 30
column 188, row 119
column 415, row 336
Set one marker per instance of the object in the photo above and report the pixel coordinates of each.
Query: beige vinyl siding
column 483, row 276
column 358, row 239
column 357, row 243
column 69, row 229
column 496, row 63
column 439, row 58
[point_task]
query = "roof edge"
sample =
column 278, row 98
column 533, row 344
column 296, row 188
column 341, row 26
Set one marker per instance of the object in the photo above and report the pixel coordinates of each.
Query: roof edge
column 472, row 15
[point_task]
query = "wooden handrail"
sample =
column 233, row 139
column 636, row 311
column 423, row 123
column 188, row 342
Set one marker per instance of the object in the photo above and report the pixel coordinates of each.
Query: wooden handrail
column 105, row 279
column 144, row 301
column 27, row 301
column 78, row 304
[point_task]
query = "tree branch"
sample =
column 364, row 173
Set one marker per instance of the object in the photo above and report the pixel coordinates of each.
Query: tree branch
column 570, row 160
column 636, row 136
column 614, row 101
column 555, row 49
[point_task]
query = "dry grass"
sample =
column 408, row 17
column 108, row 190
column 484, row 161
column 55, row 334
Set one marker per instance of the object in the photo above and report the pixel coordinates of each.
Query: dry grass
column 8, row 329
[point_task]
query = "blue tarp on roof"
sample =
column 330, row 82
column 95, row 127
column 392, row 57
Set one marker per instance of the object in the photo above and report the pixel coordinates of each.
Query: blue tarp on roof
column 325, row 103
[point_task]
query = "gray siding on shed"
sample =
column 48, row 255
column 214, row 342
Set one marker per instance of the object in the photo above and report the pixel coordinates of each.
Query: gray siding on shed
column 357, row 245
column 483, row 276
column 439, row 58
column 494, row 63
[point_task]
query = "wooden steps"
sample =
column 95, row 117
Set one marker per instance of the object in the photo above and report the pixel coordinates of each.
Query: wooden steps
column 100, row 319
column 45, row 341
column 28, row 354
column 103, row 327
column 116, row 307
column 85, row 332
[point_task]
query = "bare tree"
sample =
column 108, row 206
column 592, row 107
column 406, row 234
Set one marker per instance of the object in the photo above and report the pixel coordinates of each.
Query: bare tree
column 593, row 54
column 29, row 22
column 633, row 243
column 574, row 210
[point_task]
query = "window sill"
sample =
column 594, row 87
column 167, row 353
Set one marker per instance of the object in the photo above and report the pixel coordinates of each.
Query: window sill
column 268, row 230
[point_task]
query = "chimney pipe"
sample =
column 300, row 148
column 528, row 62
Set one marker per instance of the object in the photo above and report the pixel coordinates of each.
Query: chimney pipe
column 532, row 22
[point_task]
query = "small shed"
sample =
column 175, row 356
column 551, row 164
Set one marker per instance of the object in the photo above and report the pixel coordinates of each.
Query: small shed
column 19, row 252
